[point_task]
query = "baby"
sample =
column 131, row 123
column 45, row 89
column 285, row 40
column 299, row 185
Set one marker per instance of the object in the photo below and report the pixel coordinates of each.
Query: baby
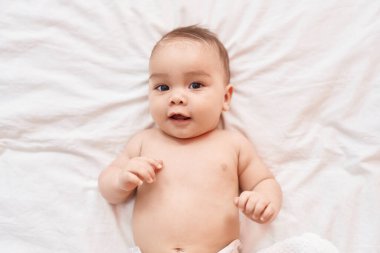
column 190, row 177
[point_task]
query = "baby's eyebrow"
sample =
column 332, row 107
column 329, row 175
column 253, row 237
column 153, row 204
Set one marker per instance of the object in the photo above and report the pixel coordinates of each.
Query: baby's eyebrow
column 158, row 75
column 189, row 73
column 197, row 73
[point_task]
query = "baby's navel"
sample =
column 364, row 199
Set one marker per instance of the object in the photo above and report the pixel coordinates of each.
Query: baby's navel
column 179, row 250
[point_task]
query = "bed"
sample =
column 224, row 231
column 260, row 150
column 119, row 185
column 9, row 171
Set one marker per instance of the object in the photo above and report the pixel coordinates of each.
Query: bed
column 73, row 82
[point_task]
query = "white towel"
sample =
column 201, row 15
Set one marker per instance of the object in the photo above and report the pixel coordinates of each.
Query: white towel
column 305, row 243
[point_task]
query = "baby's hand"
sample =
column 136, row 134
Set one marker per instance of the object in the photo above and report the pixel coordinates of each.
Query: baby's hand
column 255, row 206
column 137, row 171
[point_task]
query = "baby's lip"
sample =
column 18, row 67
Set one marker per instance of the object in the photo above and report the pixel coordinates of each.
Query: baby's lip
column 179, row 116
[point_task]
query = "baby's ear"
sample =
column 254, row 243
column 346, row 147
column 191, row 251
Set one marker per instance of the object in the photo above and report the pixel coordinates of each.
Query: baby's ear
column 227, row 97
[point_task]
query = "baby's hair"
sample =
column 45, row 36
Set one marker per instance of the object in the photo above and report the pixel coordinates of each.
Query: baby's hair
column 197, row 33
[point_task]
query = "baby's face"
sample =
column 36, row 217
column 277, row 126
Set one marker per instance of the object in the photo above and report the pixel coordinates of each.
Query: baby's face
column 187, row 90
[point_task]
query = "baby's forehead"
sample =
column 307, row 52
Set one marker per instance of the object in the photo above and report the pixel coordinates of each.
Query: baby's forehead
column 184, row 42
column 207, row 46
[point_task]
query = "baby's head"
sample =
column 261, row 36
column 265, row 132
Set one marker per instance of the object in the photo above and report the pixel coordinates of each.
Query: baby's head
column 199, row 34
column 189, row 82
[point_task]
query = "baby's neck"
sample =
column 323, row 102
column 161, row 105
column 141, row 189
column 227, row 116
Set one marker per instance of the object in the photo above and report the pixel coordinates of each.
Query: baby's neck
column 185, row 141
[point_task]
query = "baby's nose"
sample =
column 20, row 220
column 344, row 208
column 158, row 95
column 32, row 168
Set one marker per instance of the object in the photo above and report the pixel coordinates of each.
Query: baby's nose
column 178, row 99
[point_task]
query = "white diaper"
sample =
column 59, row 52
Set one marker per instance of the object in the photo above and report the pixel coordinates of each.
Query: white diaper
column 233, row 247
column 133, row 250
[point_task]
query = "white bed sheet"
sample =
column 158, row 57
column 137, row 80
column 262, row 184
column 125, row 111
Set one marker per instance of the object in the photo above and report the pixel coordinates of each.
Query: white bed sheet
column 73, row 78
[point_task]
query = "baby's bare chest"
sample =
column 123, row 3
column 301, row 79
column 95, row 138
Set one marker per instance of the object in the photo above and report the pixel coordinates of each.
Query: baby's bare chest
column 194, row 162
column 196, row 186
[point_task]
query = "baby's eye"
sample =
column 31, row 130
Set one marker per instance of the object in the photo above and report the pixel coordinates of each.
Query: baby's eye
column 162, row 87
column 195, row 85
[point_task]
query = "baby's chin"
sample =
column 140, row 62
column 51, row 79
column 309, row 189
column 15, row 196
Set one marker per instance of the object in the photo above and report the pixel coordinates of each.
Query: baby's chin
column 187, row 135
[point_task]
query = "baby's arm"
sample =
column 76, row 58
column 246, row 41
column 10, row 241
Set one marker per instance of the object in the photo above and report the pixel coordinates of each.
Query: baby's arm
column 129, row 170
column 261, row 195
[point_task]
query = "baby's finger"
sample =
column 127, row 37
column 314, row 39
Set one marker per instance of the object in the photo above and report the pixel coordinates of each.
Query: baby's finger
column 157, row 164
column 144, row 171
column 241, row 201
column 250, row 205
column 148, row 174
column 129, row 181
column 259, row 209
column 267, row 214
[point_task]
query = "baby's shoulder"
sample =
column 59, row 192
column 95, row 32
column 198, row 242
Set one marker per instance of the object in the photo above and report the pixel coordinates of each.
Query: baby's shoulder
column 136, row 142
column 144, row 134
column 233, row 135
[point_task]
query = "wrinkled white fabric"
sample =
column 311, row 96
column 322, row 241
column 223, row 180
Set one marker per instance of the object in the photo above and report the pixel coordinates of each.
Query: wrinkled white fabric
column 305, row 243
column 73, row 84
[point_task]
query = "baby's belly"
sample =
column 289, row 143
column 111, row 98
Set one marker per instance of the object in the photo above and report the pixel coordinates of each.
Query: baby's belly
column 184, row 219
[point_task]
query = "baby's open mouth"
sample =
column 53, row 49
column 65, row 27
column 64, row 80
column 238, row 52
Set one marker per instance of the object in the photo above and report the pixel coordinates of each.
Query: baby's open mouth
column 179, row 117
